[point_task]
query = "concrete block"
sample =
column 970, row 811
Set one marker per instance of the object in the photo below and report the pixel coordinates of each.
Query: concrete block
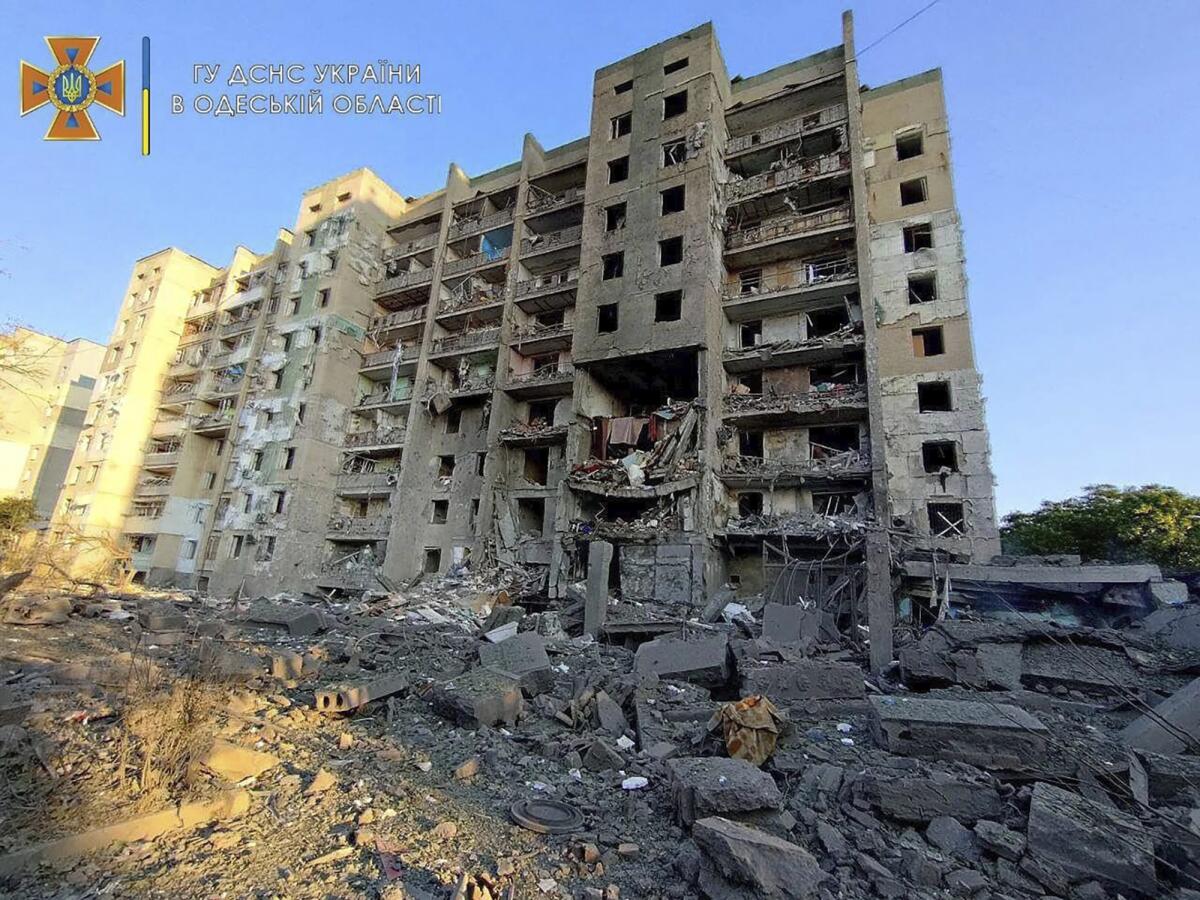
column 595, row 606
column 1000, row 840
column 162, row 618
column 482, row 696
column 349, row 697
column 1174, row 727
column 703, row 661
column 1167, row 593
column 287, row 666
column 611, row 716
column 739, row 861
column 923, row 798
column 524, row 657
column 1073, row 839
column 233, row 762
column 991, row 736
column 300, row 621
column 807, row 680
column 788, row 623
column 706, row 786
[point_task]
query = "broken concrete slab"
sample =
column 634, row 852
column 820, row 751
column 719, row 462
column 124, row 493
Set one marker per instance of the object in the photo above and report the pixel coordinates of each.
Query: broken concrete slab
column 160, row 618
column 743, row 862
column 1173, row 727
column 482, row 696
column 611, row 716
column 999, row 839
column 1178, row 628
column 38, row 611
column 991, row 736
column 233, row 762
column 286, row 665
column 1072, row 838
column 349, row 697
column 951, row 837
column 703, row 661
column 706, row 786
column 807, row 680
column 595, row 604
column 922, row 798
column 300, row 621
column 524, row 657
column 788, row 623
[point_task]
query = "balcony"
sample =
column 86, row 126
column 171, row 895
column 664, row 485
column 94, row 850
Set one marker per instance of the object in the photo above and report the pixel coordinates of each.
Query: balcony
column 403, row 281
column 521, row 434
column 778, row 354
column 758, row 294
column 553, row 290
column 348, row 576
column 783, row 228
column 555, row 240
column 238, row 324
column 535, row 338
column 387, row 360
column 474, row 261
column 474, row 224
column 222, row 387
column 845, row 529
column 755, row 471
column 212, row 423
column 551, row 381
column 465, row 342
column 153, row 487
column 408, row 248
column 389, row 437
column 787, row 129
column 191, row 361
column 178, row 393
column 400, row 395
column 366, row 482
column 197, row 330
column 840, row 403
column 472, row 304
column 803, row 170
column 398, row 320
column 474, row 386
column 367, row 528
column 161, row 456
column 539, row 201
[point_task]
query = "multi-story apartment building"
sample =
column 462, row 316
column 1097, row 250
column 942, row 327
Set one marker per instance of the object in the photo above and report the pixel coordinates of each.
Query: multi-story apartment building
column 44, row 393
column 726, row 332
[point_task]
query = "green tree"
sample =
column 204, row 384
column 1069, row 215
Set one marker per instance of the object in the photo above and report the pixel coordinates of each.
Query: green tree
column 1152, row 523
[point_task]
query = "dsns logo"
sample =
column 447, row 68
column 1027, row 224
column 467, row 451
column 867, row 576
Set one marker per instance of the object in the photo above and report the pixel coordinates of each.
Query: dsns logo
column 72, row 87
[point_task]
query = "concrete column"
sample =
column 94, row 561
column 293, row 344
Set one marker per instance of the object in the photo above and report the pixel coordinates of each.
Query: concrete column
column 595, row 607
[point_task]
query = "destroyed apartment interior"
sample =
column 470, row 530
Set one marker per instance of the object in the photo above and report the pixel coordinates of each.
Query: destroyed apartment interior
column 618, row 523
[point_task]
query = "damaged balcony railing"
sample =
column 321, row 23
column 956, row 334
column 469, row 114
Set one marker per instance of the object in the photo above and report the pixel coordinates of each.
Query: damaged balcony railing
column 195, row 329
column 832, row 464
column 400, row 317
column 547, row 373
column 848, row 337
column 461, row 387
column 401, row 280
column 539, row 243
column 534, row 331
column 469, row 295
column 540, row 200
column 161, row 452
column 360, row 526
column 454, row 266
column 376, row 437
column 832, row 397
column 795, row 172
column 788, row 226
column 212, row 420
column 152, row 487
column 398, row 394
column 406, row 248
column 350, row 574
column 221, row 386
column 562, row 278
column 523, row 431
column 240, row 322
column 361, row 481
column 787, row 128
column 388, row 356
column 845, row 526
column 759, row 282
column 466, row 340
column 179, row 392
column 471, row 224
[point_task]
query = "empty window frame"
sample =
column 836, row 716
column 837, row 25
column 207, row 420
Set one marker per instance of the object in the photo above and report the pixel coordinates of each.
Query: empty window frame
column 289, row 457
column 947, row 520
column 673, row 200
column 614, row 265
column 531, row 515
column 750, row 281
column 537, row 465
column 833, row 503
column 675, row 66
column 939, row 456
column 266, row 548
column 618, row 170
column 928, row 341
column 922, row 287
column 668, row 306
column 606, row 318
column 480, row 463
column 675, row 105
column 750, row 503
column 933, row 396
column 623, row 87
column 453, row 420
column 614, row 217
column 621, row 125
column 750, row 443
column 323, row 297
column 433, row 560
column 674, row 153
column 446, row 466
column 750, row 334
column 918, row 237
column 910, row 144
column 440, row 513
column 913, row 191
column 235, row 546
column 670, row 251
column 278, row 501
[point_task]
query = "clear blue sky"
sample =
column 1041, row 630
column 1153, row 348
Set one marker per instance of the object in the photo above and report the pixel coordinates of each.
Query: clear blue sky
column 1074, row 127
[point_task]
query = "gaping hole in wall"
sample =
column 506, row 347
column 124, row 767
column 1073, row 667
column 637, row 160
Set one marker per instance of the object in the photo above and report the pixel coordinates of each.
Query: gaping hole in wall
column 750, row 333
column 825, row 441
column 668, row 306
column 913, row 191
column 445, row 466
column 639, row 384
column 670, row 251
column 618, row 170
column 939, row 456
column 918, row 237
column 922, row 288
column 947, row 520
column 673, row 199
column 453, row 420
column 541, row 412
column 822, row 322
column 614, row 265
column 928, row 341
column 614, row 217
column 433, row 560
column 750, row 443
column 531, row 515
column 909, row 145
column 537, row 465
column 675, row 105
column 440, row 512
column 933, row 396
column 751, row 382
column 607, row 318
column 750, row 503
column 480, row 463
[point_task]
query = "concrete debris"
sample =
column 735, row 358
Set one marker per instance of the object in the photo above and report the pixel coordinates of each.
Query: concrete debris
column 744, row 862
column 1172, row 726
column 703, row 661
column 716, row 786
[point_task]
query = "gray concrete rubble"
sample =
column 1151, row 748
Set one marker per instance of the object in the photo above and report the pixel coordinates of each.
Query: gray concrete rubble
column 716, row 786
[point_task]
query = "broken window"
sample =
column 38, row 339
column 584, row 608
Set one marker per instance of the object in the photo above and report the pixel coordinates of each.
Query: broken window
column 300, row 414
column 474, row 514
column 752, row 381
column 922, row 288
column 480, row 462
column 750, row 333
column 310, row 237
column 947, row 519
column 675, row 66
column 668, row 306
column 266, row 548
column 235, row 546
column 750, row 281
column 833, row 503
column 826, row 321
column 278, row 501
column 618, row 170
column 289, row 457
column 541, row 412
column 621, row 125
column 537, row 465
column 938, row 456
column 670, row 251
column 433, row 560
column 323, row 297
column 673, row 200
column 531, row 515
column 750, row 443
column 453, row 420
column 750, row 503
column 912, row 192
column 614, row 217
column 674, row 105
column 674, row 152
column 825, row 441
column 257, row 460
column 276, row 380
column 189, row 549
column 614, row 265
column 933, row 396
column 441, row 512
column 623, row 87
column 446, row 466
column 928, row 341
column 834, row 373
column 918, row 237
column 606, row 318
column 248, row 503
column 210, row 480
column 910, row 145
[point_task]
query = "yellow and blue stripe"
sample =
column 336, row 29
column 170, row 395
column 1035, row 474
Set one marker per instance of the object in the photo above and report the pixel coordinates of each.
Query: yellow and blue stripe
column 145, row 96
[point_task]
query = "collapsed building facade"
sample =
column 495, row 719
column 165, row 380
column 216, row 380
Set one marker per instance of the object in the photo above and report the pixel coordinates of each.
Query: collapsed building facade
column 724, row 339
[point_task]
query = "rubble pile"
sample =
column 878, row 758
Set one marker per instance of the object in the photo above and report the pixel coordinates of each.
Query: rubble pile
column 458, row 738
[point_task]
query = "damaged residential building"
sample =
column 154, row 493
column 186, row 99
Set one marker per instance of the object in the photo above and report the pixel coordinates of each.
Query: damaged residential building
column 721, row 343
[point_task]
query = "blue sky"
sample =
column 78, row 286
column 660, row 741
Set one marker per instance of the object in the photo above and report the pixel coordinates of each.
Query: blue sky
column 1073, row 125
